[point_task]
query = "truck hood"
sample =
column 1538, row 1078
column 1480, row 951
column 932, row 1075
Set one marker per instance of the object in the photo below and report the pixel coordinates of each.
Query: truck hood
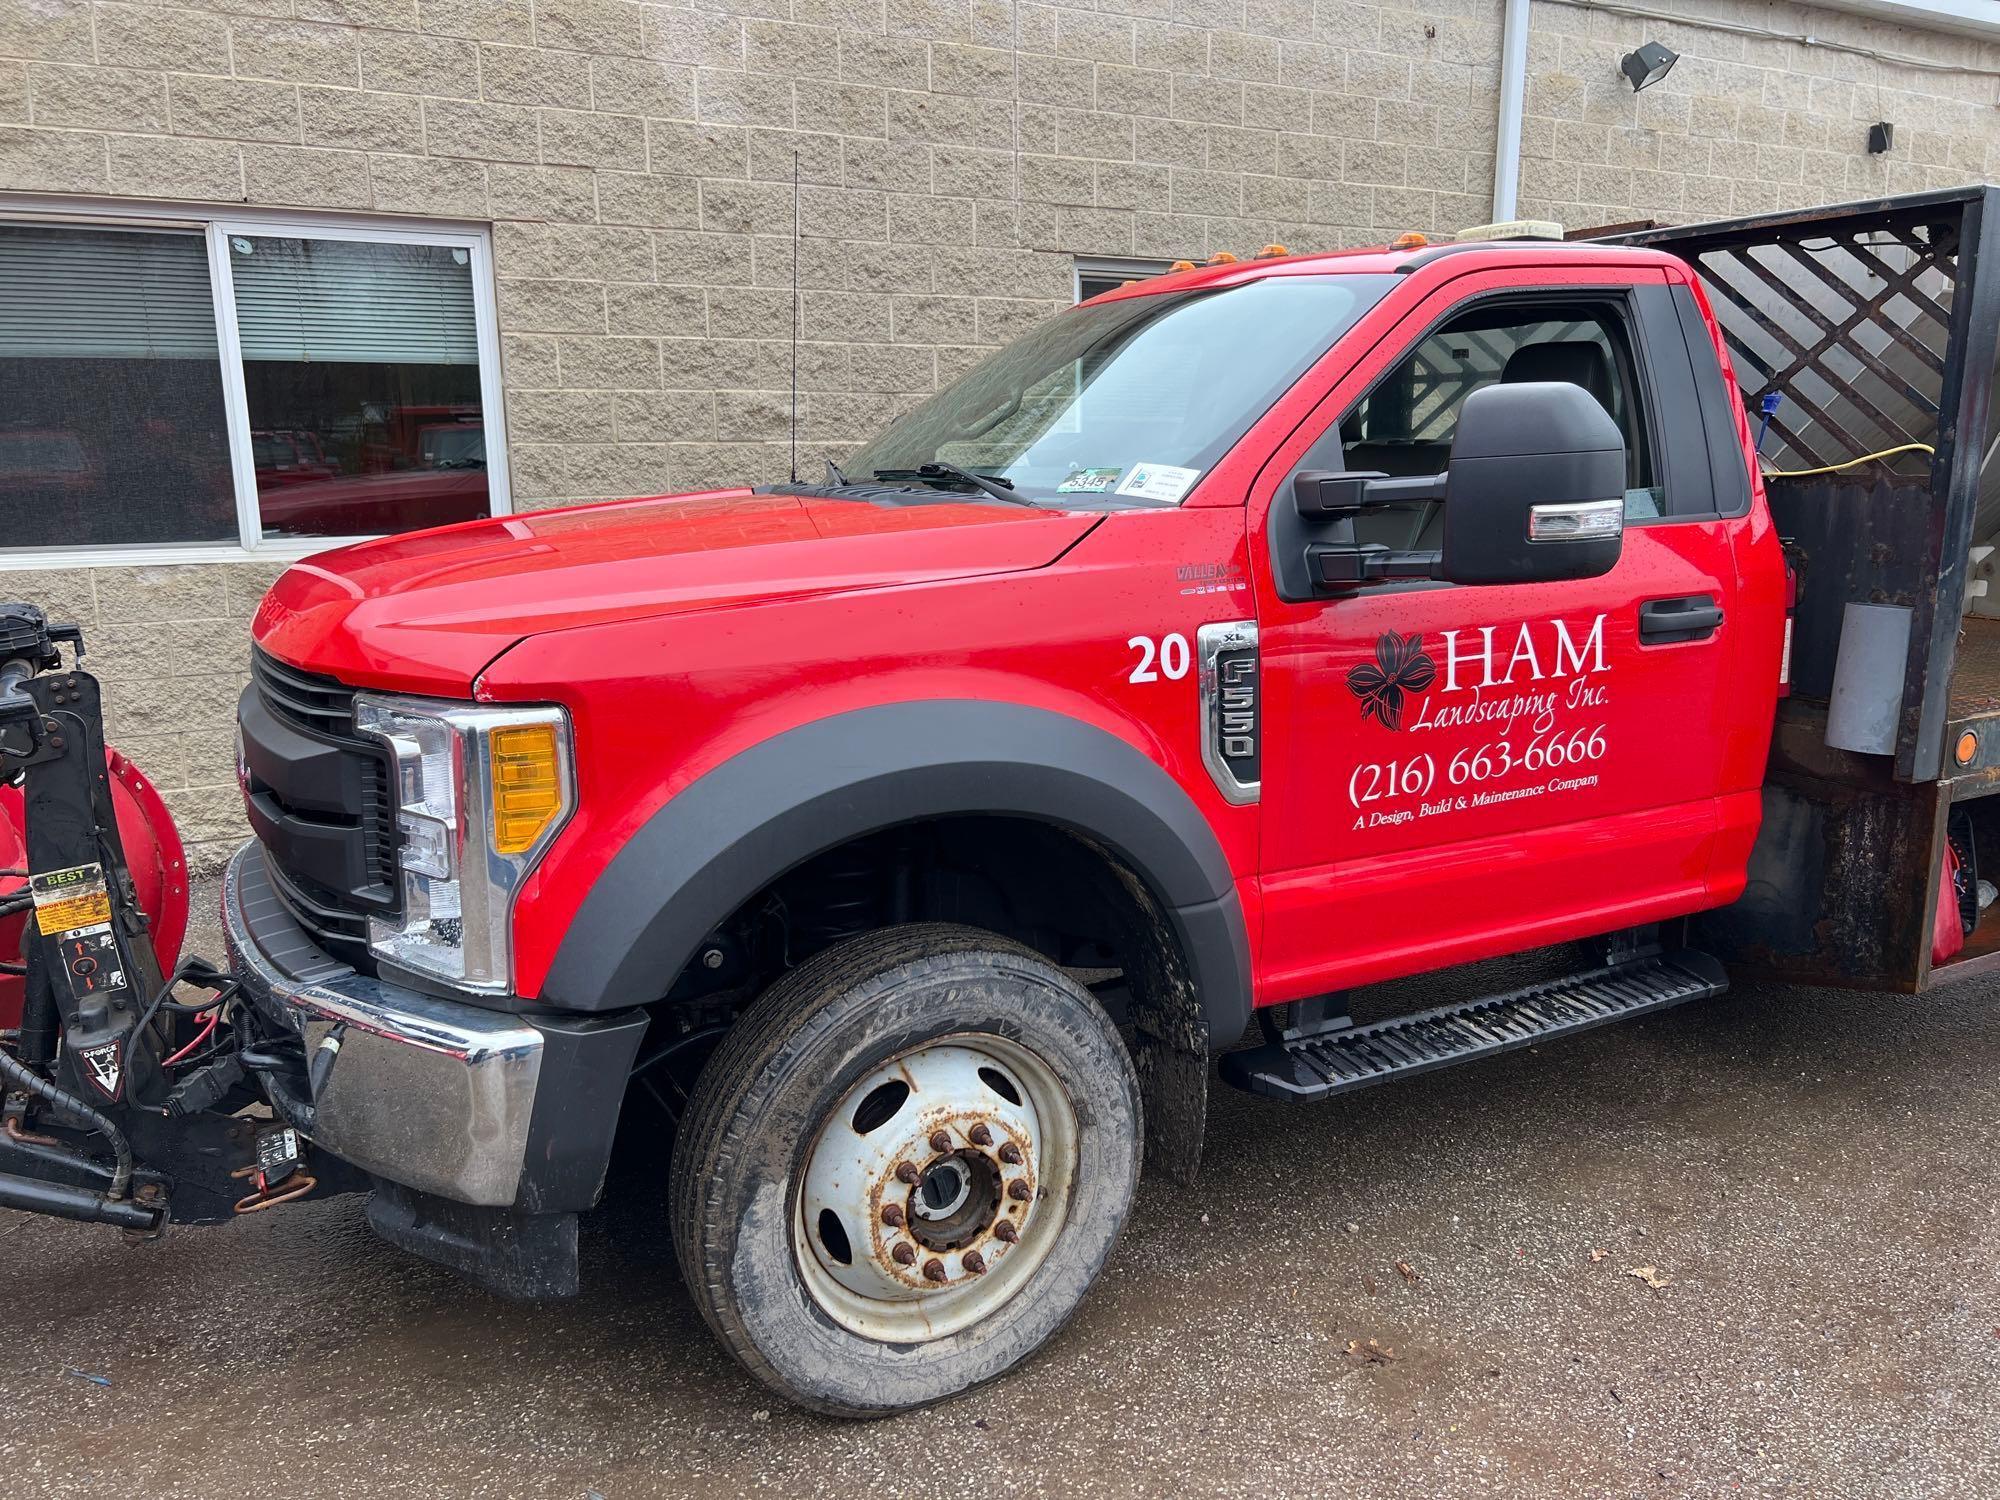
column 426, row 611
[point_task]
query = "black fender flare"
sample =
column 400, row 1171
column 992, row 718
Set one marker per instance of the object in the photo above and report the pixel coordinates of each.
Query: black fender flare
column 771, row 807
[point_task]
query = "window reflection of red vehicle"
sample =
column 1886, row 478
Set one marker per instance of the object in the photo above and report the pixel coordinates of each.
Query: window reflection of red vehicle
column 289, row 457
column 400, row 437
column 46, row 462
column 373, row 504
column 451, row 445
column 438, row 479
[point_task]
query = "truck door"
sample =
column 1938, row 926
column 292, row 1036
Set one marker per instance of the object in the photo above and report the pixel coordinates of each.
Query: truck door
column 1456, row 771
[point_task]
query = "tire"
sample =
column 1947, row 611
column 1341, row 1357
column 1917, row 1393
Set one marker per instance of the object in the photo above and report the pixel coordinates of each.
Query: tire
column 780, row 1124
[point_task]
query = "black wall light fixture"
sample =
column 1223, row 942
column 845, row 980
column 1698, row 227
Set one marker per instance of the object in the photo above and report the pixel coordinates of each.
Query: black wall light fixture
column 1648, row 65
column 1881, row 136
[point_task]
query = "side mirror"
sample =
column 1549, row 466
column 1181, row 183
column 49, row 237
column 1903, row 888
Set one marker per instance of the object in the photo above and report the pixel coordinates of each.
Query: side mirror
column 1536, row 487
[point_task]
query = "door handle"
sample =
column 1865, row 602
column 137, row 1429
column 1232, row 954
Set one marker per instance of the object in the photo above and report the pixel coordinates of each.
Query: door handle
column 1691, row 617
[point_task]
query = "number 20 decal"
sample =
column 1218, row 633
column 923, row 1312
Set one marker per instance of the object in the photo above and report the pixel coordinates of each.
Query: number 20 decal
column 1170, row 651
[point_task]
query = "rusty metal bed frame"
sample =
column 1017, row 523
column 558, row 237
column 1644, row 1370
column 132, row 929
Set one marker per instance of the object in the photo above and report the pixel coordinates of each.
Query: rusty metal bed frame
column 1877, row 326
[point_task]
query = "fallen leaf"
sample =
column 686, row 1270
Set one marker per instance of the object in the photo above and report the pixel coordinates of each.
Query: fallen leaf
column 1370, row 1353
column 1597, row 1255
column 1403, row 1270
column 1651, row 1276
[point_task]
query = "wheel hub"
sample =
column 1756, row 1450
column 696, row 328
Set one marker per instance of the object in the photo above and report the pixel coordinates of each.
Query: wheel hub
column 929, row 1196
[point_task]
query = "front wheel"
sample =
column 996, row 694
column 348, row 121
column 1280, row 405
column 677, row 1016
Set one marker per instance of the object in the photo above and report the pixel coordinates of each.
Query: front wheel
column 904, row 1167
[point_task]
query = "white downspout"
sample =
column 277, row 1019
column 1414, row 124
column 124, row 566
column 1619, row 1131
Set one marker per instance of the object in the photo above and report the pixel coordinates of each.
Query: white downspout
column 1513, row 91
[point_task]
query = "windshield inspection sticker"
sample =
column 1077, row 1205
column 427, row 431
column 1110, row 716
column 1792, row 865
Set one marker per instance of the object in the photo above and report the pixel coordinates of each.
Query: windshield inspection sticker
column 1089, row 481
column 1158, row 482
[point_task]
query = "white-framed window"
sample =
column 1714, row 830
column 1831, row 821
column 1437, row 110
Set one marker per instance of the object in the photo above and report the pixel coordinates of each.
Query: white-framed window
column 1096, row 274
column 182, row 386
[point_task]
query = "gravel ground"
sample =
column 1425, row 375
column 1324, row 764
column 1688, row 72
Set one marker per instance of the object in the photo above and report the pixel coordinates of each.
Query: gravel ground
column 1806, row 1172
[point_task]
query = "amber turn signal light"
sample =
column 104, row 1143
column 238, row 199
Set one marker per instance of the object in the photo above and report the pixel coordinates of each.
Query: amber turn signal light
column 527, row 785
column 1966, row 748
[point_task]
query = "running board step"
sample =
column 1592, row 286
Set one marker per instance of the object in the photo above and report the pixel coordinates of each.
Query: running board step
column 1343, row 1058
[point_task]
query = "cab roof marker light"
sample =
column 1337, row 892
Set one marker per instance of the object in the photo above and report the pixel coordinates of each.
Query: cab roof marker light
column 1180, row 265
column 1410, row 241
column 1271, row 252
column 1512, row 229
column 1222, row 258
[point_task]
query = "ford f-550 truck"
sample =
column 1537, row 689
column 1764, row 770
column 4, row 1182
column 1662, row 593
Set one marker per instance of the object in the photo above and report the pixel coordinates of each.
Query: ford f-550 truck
column 878, row 863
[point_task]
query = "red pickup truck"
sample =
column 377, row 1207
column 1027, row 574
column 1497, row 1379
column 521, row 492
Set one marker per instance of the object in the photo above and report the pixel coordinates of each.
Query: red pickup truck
column 877, row 863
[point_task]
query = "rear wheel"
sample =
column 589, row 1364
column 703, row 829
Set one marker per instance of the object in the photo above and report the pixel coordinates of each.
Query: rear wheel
column 904, row 1167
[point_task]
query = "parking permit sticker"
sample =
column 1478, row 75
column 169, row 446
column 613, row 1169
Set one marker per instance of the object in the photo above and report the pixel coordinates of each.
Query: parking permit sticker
column 1089, row 481
column 1158, row 482
column 69, row 900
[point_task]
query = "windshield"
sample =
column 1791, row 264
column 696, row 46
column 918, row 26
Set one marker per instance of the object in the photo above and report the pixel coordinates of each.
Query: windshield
column 454, row 447
column 1131, row 400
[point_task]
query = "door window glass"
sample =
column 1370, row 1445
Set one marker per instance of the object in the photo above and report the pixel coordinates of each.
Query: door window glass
column 1405, row 424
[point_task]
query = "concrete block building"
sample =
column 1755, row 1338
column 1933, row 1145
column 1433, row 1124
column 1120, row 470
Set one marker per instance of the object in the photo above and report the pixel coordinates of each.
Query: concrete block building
column 279, row 272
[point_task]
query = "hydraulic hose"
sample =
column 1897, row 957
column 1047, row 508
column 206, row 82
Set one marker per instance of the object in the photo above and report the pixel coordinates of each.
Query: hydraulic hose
column 21, row 1076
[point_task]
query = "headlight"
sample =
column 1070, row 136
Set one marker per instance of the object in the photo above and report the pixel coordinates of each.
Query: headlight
column 480, row 793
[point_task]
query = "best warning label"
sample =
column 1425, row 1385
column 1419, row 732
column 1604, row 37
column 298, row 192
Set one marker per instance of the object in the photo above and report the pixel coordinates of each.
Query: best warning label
column 66, row 900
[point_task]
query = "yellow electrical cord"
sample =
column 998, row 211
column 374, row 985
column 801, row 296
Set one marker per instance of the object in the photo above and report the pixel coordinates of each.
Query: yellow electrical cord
column 1850, row 463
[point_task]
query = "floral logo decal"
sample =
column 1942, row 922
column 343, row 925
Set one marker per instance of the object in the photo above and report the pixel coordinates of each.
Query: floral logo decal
column 1401, row 666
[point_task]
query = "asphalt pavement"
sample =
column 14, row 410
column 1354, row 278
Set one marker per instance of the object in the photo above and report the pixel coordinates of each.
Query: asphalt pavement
column 1746, row 1247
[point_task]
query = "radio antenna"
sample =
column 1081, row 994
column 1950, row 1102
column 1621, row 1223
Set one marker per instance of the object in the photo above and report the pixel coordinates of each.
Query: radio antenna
column 795, row 317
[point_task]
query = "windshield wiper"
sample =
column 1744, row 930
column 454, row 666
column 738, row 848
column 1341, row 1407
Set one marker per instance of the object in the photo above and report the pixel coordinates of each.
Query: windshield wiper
column 996, row 485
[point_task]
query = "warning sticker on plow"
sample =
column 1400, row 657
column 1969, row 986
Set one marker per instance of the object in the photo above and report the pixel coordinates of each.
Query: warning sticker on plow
column 66, row 900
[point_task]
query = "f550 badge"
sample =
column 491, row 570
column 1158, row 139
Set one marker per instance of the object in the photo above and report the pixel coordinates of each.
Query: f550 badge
column 1232, row 708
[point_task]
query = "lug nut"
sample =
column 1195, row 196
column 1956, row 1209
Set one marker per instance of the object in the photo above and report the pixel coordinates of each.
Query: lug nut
column 1020, row 1192
column 1010, row 1153
column 979, row 1135
column 974, row 1262
column 905, row 1172
column 892, row 1215
column 1005, row 1232
column 902, row 1255
column 934, row 1270
column 940, row 1142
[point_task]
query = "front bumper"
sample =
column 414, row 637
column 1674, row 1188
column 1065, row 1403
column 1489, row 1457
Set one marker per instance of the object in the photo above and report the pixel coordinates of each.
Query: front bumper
column 468, row 1104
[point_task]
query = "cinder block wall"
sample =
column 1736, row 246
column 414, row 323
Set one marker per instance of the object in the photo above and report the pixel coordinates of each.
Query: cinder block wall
column 635, row 161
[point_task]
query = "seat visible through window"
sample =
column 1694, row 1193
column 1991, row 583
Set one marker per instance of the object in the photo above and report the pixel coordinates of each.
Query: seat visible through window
column 1404, row 425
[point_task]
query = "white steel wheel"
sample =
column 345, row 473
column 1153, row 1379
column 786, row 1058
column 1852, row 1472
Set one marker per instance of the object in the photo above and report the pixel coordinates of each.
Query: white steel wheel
column 936, row 1187
column 903, row 1168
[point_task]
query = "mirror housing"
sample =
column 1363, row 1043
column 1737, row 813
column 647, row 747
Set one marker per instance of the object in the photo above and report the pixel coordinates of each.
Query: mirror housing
column 1536, row 487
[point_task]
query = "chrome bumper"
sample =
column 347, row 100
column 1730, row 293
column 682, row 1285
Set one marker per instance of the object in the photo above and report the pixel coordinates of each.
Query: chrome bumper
column 429, row 1093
